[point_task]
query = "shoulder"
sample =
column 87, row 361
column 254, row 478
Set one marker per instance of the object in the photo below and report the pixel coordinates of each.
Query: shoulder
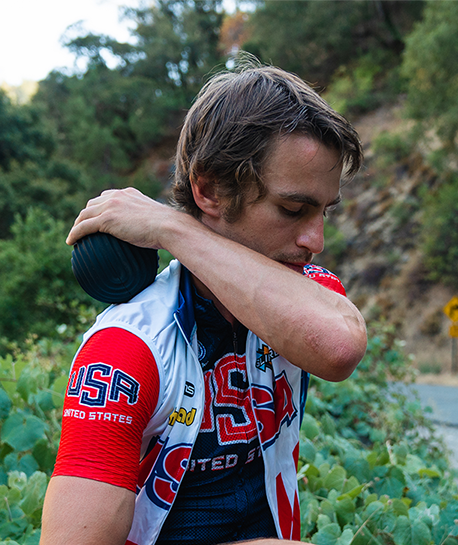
column 148, row 313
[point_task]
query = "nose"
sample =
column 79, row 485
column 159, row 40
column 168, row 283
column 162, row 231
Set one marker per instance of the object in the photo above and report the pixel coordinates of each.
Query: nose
column 311, row 234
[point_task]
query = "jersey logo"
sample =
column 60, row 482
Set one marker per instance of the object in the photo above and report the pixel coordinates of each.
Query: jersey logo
column 189, row 389
column 228, row 409
column 162, row 484
column 265, row 357
column 273, row 408
column 182, row 416
column 97, row 383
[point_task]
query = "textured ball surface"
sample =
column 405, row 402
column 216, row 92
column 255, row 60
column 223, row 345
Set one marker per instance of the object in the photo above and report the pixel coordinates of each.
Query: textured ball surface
column 111, row 270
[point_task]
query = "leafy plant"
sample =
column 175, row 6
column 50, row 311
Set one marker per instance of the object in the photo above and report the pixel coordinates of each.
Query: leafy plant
column 392, row 148
column 335, row 246
column 20, row 508
column 314, row 39
column 32, row 388
column 371, row 469
column 362, row 85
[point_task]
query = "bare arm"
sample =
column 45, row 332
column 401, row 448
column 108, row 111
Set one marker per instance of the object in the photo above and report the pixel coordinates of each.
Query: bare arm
column 319, row 331
column 272, row 541
column 84, row 512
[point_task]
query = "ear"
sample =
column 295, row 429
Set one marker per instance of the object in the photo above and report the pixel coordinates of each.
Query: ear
column 205, row 196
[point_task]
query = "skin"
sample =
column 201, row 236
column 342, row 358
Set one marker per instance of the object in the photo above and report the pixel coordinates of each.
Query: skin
column 249, row 268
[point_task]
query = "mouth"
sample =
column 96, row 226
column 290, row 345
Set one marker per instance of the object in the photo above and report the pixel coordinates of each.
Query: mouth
column 298, row 267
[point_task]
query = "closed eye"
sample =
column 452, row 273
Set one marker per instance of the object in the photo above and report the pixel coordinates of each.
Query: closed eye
column 291, row 213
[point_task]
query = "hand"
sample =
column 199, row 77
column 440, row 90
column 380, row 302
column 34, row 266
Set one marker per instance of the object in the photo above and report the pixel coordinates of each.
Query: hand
column 124, row 213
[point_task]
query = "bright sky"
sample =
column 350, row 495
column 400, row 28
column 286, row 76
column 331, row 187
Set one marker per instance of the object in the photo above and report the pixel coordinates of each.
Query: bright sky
column 30, row 32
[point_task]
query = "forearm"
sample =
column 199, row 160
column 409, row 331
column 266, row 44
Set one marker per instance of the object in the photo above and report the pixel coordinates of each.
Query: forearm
column 311, row 326
column 314, row 328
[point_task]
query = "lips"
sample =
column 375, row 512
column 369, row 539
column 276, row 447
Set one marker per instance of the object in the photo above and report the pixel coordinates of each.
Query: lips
column 298, row 267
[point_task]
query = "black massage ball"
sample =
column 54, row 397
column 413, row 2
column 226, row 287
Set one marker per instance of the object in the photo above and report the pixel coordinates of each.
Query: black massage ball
column 111, row 270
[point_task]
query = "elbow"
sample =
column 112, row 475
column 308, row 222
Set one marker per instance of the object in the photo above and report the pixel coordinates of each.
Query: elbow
column 337, row 358
column 346, row 357
column 332, row 348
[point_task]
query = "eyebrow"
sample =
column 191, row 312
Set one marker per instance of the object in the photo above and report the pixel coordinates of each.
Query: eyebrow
column 307, row 199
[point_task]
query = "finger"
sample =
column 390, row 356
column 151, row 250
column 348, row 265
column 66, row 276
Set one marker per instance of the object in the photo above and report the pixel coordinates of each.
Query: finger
column 89, row 221
column 82, row 229
column 103, row 197
column 93, row 211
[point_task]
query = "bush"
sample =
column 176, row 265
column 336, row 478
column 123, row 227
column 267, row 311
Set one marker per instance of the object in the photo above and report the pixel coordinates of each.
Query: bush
column 431, row 69
column 371, row 470
column 392, row 148
column 334, row 248
column 38, row 291
column 361, row 86
column 439, row 233
column 32, row 388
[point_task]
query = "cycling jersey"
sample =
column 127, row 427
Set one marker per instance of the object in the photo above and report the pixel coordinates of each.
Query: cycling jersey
column 155, row 409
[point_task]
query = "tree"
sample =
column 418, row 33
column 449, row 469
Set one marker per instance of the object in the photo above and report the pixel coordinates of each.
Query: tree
column 38, row 291
column 30, row 172
column 23, row 136
column 180, row 43
column 313, row 39
column 109, row 120
column 431, row 68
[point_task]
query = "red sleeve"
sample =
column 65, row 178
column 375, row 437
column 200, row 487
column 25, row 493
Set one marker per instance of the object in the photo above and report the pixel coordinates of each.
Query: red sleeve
column 112, row 393
column 325, row 278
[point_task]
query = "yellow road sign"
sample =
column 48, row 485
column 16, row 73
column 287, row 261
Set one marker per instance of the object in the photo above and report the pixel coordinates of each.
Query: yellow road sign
column 451, row 309
column 453, row 331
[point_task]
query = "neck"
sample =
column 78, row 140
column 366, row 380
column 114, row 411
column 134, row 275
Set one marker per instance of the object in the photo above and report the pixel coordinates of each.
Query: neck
column 203, row 291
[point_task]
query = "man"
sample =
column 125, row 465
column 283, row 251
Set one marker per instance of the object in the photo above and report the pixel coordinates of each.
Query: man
column 203, row 375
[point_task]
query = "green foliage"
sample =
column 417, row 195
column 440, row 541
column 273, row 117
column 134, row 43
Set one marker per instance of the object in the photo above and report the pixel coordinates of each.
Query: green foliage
column 90, row 116
column 335, row 246
column 431, row 68
column 32, row 388
column 439, row 233
column 371, row 469
column 178, row 40
column 364, row 84
column 23, row 136
column 392, row 148
column 30, row 174
column 38, row 291
column 165, row 258
column 20, row 508
column 352, row 90
column 370, row 466
column 108, row 120
column 57, row 188
column 314, row 39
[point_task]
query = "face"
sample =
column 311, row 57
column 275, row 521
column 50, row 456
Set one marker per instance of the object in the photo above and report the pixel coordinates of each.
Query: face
column 302, row 179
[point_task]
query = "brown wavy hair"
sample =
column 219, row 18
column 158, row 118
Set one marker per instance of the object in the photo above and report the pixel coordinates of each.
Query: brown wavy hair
column 234, row 121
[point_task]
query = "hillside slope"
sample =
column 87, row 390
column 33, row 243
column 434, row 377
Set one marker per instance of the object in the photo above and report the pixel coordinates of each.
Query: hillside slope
column 382, row 265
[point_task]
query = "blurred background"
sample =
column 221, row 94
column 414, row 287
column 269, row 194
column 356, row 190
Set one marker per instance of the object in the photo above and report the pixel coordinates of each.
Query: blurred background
column 112, row 85
column 93, row 96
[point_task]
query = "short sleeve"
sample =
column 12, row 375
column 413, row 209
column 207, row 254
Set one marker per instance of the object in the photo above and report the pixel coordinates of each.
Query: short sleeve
column 111, row 395
column 325, row 278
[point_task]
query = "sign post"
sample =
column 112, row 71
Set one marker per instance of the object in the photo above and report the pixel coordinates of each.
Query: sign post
column 451, row 310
